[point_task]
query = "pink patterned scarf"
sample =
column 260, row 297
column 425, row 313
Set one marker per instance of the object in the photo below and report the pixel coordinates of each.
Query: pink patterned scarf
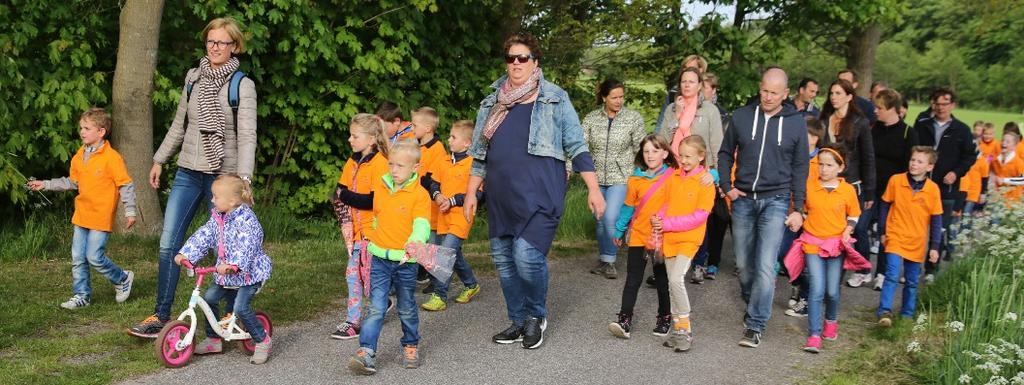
column 508, row 97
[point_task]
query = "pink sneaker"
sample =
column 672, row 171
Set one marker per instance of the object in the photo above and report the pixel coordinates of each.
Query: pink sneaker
column 831, row 331
column 813, row 344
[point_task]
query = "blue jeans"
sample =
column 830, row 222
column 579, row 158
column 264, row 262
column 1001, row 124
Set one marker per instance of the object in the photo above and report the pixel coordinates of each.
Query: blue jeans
column 384, row 274
column 88, row 247
column 242, row 308
column 757, row 232
column 523, row 272
column 188, row 193
column 614, row 195
column 911, row 273
column 461, row 268
column 823, row 276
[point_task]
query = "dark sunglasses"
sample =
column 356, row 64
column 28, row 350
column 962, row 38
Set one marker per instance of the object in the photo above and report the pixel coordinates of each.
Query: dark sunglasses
column 521, row 59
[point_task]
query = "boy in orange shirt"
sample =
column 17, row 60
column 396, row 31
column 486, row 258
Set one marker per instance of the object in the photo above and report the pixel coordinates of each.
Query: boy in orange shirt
column 911, row 221
column 100, row 176
column 401, row 208
column 395, row 128
column 432, row 161
column 449, row 191
column 1009, row 165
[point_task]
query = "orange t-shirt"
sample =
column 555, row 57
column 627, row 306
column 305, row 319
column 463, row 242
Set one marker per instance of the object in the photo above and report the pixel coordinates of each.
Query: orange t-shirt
column 98, row 182
column 454, row 180
column 404, row 132
column 827, row 211
column 1009, row 169
column 359, row 178
column 636, row 188
column 910, row 216
column 687, row 196
column 971, row 182
column 991, row 149
column 394, row 211
column 433, row 159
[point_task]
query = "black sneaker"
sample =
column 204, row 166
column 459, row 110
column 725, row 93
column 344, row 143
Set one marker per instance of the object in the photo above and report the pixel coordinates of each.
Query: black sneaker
column 533, row 332
column 148, row 328
column 662, row 325
column 750, row 338
column 422, row 276
column 697, row 277
column 651, row 281
column 509, row 336
column 621, row 327
column 429, row 289
column 799, row 309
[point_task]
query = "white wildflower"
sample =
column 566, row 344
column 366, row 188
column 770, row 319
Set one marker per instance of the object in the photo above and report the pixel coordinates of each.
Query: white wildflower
column 923, row 318
column 965, row 379
column 1010, row 316
column 918, row 328
column 955, row 326
column 997, row 380
column 913, row 347
column 992, row 367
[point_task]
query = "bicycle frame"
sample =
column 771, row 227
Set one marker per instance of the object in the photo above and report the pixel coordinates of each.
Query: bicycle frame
column 228, row 329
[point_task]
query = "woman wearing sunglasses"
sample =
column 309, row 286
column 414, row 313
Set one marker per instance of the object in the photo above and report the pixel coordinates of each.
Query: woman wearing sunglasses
column 208, row 142
column 526, row 132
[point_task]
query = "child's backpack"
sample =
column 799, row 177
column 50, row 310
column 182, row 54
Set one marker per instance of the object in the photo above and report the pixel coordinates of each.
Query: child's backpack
column 233, row 85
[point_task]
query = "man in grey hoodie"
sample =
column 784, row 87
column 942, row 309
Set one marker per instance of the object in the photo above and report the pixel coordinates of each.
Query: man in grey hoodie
column 768, row 143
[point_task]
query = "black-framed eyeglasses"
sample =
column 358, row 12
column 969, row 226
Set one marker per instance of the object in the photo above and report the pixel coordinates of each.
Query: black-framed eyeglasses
column 521, row 59
column 219, row 44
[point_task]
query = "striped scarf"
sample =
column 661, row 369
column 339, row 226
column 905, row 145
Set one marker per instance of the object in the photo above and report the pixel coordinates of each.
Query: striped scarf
column 211, row 119
column 508, row 97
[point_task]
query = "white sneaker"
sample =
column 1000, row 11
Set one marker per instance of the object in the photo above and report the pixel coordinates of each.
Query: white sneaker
column 858, row 279
column 929, row 278
column 76, row 302
column 124, row 289
column 879, row 281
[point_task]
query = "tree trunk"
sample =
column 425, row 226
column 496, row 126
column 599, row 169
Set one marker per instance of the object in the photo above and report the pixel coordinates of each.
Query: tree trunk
column 133, row 106
column 736, row 58
column 860, row 55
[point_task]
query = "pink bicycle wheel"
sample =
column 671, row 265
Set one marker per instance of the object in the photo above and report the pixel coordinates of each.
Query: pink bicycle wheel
column 264, row 319
column 167, row 341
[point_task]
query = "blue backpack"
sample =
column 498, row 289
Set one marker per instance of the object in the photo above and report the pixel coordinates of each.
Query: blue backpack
column 236, row 81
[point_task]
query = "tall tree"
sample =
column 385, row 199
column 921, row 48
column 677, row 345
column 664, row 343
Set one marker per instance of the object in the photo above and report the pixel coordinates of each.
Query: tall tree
column 132, row 96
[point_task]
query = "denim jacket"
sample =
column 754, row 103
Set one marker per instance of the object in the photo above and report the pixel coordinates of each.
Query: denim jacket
column 555, row 129
column 237, row 237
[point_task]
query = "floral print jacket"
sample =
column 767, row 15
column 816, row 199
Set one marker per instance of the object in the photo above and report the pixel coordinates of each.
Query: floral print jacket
column 237, row 237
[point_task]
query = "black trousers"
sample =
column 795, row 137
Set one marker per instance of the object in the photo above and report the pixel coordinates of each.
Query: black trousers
column 635, row 266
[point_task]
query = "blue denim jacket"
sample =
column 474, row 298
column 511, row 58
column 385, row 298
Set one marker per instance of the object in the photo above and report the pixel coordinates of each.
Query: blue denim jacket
column 555, row 129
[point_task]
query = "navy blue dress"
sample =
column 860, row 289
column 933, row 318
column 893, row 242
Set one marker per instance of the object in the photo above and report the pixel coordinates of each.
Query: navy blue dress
column 525, row 192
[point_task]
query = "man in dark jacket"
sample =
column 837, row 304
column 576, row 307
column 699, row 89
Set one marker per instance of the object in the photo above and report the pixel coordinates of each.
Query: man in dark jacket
column 957, row 152
column 769, row 140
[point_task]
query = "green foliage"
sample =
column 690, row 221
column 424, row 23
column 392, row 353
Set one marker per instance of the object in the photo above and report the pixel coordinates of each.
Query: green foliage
column 57, row 61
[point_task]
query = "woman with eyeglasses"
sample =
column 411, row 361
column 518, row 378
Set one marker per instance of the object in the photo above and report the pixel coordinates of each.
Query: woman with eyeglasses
column 526, row 131
column 210, row 136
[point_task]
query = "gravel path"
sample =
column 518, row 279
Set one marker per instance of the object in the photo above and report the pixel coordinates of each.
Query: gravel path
column 578, row 349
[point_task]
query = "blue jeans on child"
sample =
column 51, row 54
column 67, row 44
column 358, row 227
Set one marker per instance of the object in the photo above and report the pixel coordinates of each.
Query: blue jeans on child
column 461, row 268
column 823, row 277
column 911, row 273
column 88, row 247
column 757, row 226
column 242, row 308
column 614, row 195
column 383, row 275
column 188, row 193
column 523, row 272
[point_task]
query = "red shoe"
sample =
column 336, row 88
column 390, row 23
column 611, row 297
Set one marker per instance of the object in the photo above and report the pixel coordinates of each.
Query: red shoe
column 831, row 331
column 813, row 344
